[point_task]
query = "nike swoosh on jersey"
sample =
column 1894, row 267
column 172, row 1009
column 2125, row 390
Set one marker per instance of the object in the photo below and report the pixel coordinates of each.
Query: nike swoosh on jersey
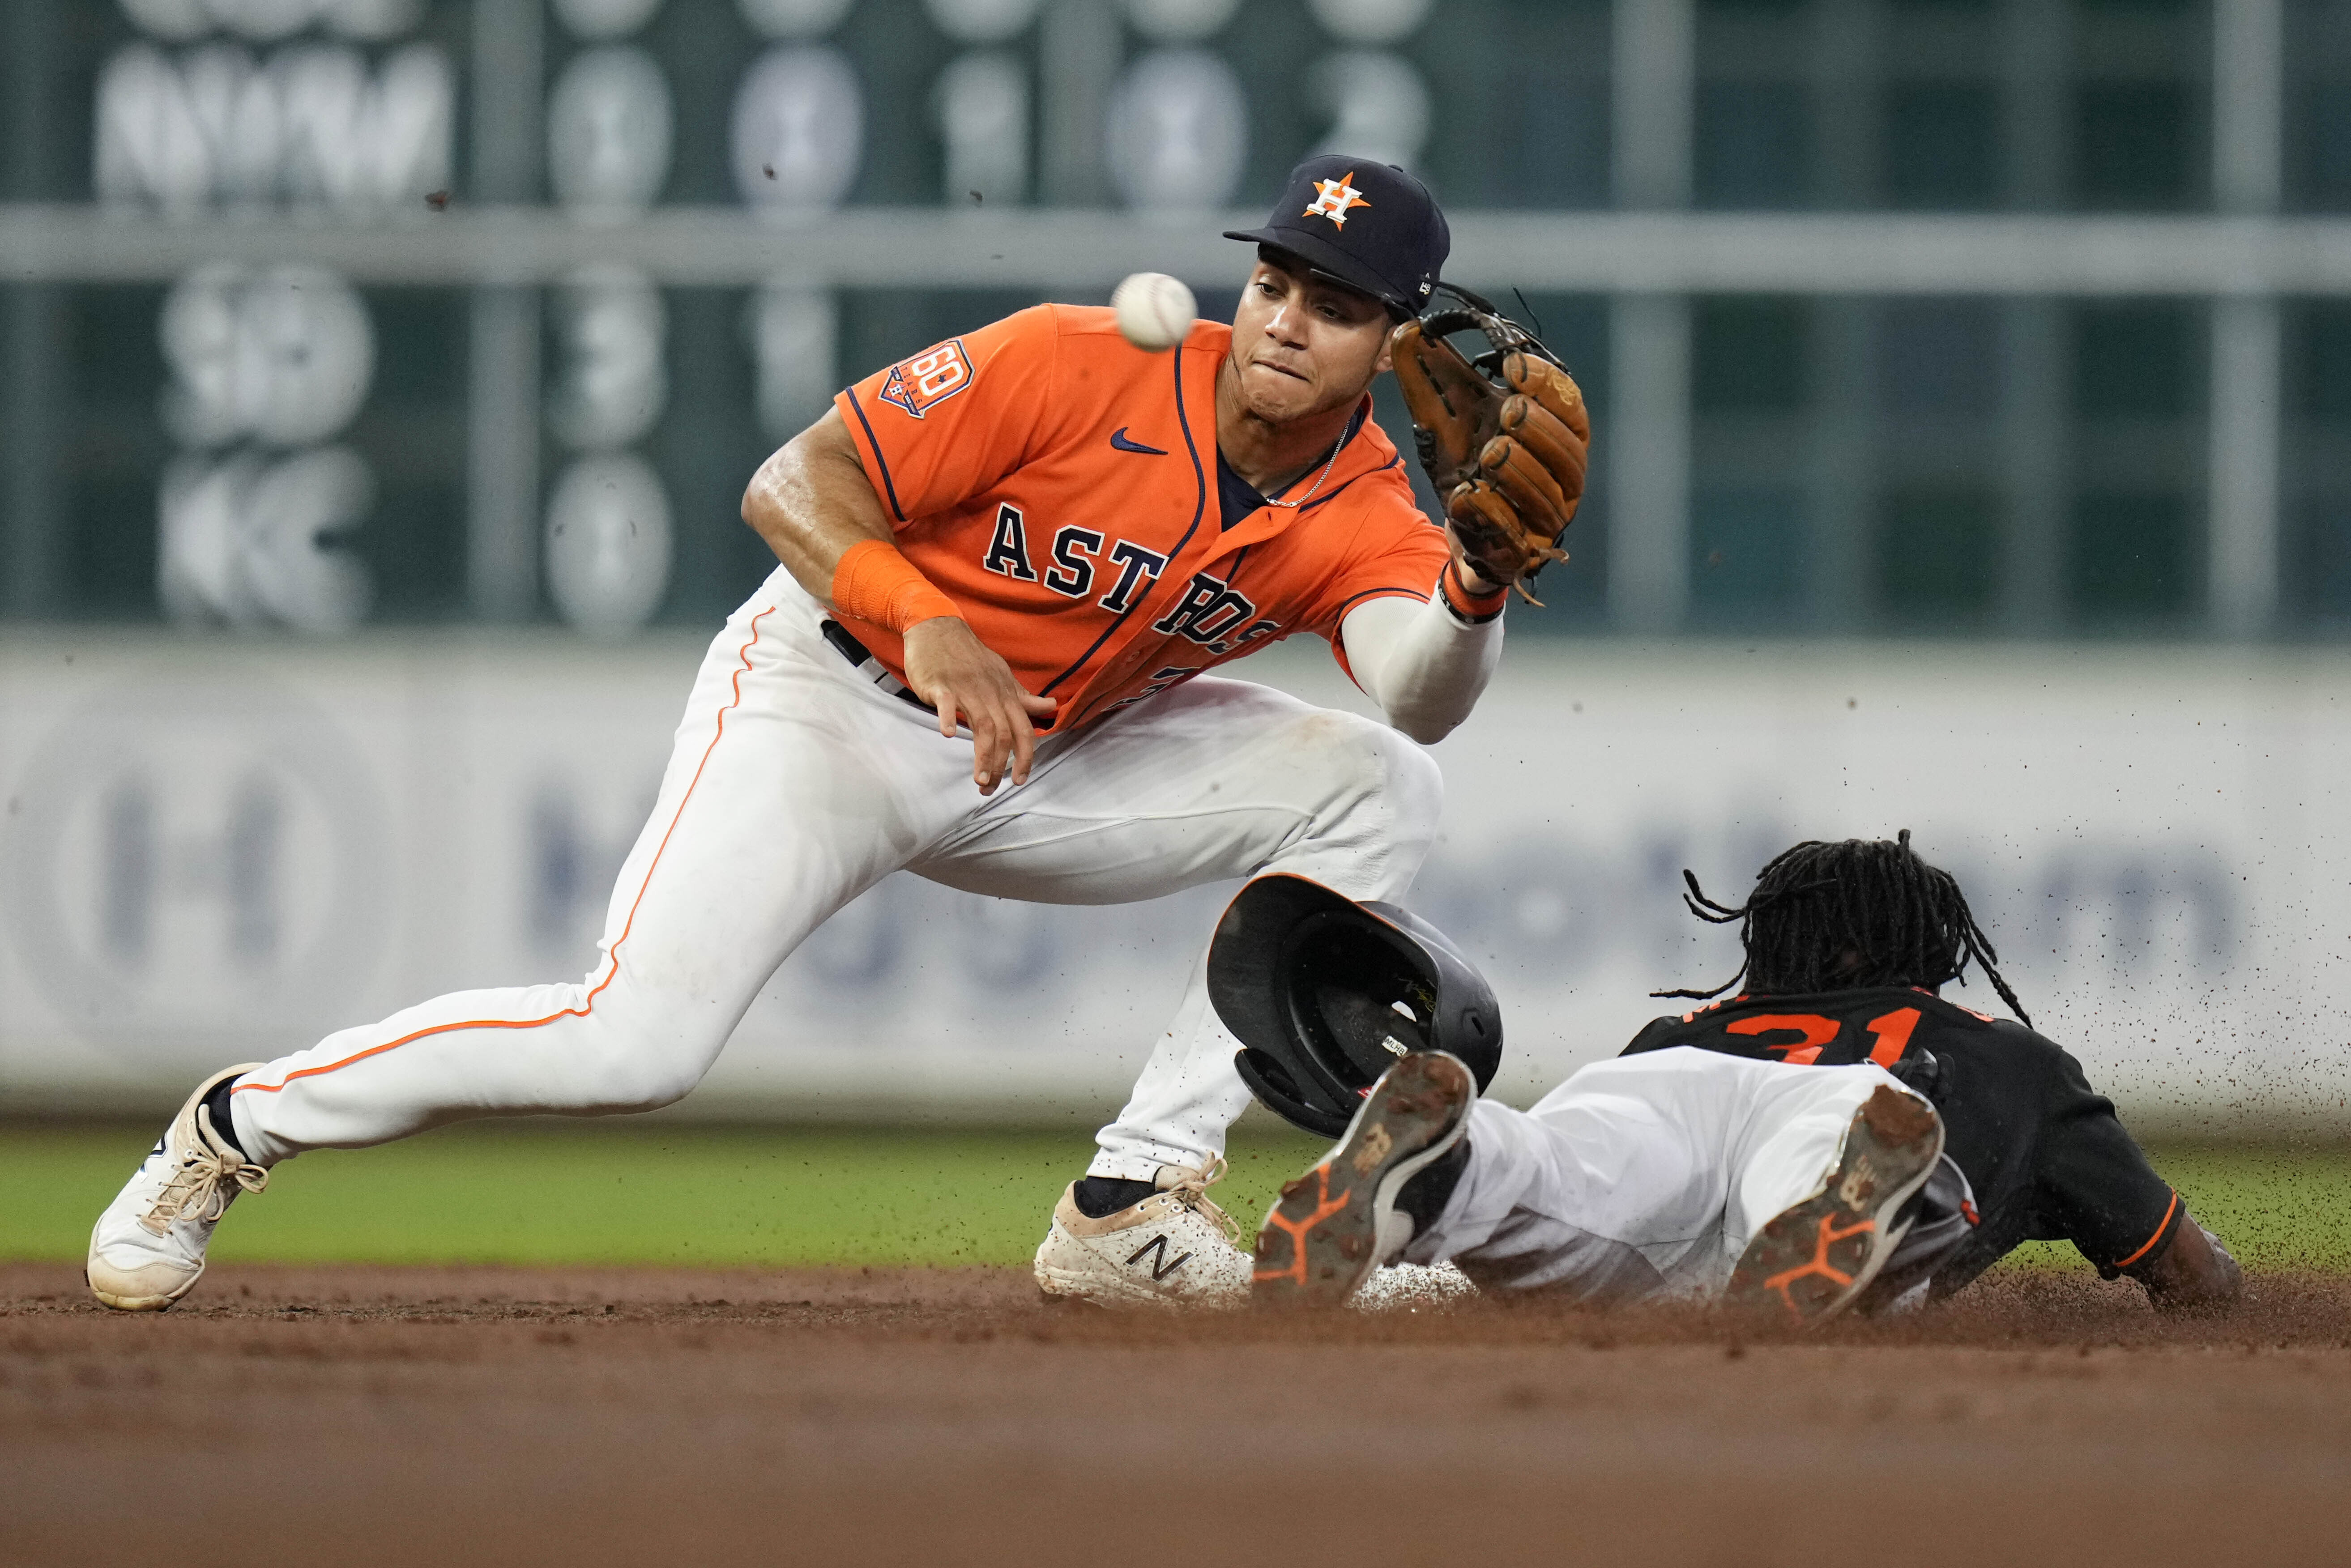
column 1118, row 439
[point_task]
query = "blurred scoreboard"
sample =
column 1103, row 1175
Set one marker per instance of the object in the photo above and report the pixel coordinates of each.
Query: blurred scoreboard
column 242, row 425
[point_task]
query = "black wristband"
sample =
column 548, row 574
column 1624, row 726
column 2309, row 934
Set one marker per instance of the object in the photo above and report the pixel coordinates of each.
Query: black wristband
column 1468, row 608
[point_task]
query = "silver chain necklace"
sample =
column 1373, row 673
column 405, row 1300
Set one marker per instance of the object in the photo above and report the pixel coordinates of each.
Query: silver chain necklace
column 1293, row 505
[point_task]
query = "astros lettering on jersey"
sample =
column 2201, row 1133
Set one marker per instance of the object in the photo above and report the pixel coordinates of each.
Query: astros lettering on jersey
column 1061, row 485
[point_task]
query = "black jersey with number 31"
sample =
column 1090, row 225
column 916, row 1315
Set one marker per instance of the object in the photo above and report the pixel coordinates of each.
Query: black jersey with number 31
column 2044, row 1150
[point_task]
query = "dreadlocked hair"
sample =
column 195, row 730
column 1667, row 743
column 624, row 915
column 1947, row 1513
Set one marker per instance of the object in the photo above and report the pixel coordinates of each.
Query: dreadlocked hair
column 1857, row 913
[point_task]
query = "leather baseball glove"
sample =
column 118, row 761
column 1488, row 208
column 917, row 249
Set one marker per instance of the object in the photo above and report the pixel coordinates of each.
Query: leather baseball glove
column 1503, row 436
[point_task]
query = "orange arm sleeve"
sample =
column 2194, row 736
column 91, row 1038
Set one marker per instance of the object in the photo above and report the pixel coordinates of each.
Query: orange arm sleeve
column 876, row 583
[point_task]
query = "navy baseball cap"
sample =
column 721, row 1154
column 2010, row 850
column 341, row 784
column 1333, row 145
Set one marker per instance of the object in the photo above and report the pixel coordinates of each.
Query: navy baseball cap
column 1367, row 224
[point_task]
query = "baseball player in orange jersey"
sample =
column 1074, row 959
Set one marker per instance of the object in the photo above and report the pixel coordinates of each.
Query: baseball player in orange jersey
column 1008, row 564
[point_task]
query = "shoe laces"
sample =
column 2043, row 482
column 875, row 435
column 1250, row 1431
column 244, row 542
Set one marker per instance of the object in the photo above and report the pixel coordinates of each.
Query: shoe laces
column 1190, row 1188
column 208, row 1176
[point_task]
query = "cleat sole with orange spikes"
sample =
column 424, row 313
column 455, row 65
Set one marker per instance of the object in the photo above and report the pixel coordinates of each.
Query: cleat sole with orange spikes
column 1334, row 1225
column 1811, row 1261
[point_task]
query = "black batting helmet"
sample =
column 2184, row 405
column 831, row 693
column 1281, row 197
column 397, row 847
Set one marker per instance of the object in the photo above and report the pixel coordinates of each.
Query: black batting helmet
column 1325, row 993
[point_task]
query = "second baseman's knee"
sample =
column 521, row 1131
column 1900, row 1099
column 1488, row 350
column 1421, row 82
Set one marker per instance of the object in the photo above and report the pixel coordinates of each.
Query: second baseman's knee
column 1380, row 769
column 642, row 1068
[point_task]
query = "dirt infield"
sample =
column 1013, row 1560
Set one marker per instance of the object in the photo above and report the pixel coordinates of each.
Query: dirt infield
column 589, row 1417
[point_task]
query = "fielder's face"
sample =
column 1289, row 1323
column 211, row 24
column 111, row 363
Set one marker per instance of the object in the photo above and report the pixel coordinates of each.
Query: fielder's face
column 1303, row 347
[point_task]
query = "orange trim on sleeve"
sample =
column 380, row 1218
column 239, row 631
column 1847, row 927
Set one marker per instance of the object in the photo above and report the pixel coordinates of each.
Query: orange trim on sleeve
column 2159, row 1229
column 589, row 1006
column 876, row 584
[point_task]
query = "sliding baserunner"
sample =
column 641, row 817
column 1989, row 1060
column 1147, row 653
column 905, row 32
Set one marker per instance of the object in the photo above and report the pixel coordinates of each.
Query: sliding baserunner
column 1836, row 1135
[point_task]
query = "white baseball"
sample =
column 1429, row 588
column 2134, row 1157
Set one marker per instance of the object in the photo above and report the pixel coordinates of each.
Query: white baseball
column 1154, row 310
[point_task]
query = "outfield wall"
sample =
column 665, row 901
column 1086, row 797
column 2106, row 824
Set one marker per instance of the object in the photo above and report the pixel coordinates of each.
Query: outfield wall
column 214, row 851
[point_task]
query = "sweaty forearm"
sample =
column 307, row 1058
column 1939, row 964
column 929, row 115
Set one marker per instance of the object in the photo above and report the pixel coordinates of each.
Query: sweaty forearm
column 812, row 502
column 1420, row 662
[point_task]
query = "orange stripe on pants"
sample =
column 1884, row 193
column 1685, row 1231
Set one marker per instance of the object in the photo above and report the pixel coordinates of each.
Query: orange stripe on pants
column 613, row 973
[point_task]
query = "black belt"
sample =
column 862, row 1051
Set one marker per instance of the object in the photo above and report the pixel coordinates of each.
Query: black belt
column 872, row 669
column 866, row 664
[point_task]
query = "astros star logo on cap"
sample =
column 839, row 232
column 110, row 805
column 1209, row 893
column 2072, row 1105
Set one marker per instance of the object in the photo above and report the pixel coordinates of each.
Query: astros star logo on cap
column 1335, row 199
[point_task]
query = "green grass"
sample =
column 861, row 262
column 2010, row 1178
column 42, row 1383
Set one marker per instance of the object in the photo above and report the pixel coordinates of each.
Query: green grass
column 2275, row 1206
column 583, row 1193
column 724, row 1197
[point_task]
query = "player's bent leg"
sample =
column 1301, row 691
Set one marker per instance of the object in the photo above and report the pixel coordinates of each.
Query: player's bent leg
column 1596, row 1195
column 1374, row 814
column 1614, row 1188
column 1349, row 1213
column 1649, row 1176
column 148, row 1247
column 609, row 1044
column 1818, row 1254
column 1219, row 778
column 1185, row 1099
column 793, row 786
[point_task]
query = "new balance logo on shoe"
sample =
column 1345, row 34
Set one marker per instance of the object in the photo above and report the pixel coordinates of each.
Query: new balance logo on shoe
column 1174, row 1249
column 1160, row 1267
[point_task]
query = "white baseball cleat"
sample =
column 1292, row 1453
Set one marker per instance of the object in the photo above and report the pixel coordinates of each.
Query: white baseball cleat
column 147, row 1250
column 1175, row 1248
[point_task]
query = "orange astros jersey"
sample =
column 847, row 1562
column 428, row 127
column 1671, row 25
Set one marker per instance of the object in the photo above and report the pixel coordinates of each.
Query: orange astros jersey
column 1061, row 485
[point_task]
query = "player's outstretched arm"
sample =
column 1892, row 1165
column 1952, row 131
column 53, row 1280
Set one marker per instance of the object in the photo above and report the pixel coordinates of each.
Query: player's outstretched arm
column 1426, row 662
column 2194, row 1272
column 818, row 511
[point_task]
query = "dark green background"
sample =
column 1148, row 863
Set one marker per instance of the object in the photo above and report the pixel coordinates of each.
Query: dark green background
column 1522, row 90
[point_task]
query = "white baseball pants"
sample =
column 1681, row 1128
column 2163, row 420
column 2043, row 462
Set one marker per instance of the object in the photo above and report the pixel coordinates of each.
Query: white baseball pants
column 1643, row 1177
column 795, row 785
